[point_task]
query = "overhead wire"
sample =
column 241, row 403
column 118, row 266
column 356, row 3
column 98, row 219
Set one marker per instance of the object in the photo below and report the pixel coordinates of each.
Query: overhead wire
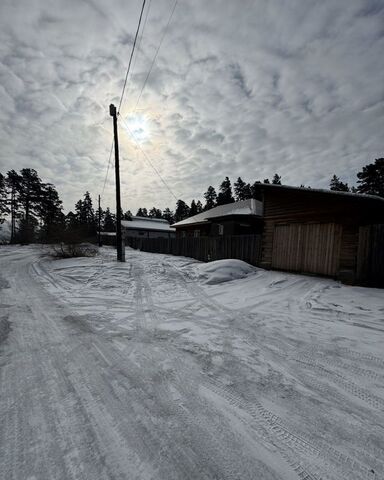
column 155, row 56
column 109, row 164
column 130, row 58
column 141, row 35
column 124, row 86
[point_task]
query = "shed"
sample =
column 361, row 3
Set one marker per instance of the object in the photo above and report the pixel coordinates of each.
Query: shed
column 320, row 231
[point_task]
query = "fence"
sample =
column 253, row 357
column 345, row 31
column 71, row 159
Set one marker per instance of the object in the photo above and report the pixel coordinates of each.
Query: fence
column 370, row 256
column 242, row 247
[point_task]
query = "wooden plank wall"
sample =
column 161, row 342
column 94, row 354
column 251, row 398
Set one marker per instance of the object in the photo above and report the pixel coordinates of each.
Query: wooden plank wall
column 242, row 247
column 370, row 256
column 309, row 248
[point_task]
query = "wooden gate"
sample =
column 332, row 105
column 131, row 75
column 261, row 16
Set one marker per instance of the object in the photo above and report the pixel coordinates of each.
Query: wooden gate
column 307, row 247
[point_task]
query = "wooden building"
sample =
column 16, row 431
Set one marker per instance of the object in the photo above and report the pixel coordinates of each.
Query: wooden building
column 238, row 218
column 335, row 234
column 147, row 227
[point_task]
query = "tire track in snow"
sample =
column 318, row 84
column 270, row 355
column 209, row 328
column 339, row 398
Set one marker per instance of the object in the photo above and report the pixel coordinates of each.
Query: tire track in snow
column 350, row 387
column 211, row 448
column 294, row 442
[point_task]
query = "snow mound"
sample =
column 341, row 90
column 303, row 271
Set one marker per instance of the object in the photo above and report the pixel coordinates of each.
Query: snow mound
column 221, row 271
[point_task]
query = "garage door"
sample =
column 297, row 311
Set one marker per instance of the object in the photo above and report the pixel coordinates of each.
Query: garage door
column 307, row 247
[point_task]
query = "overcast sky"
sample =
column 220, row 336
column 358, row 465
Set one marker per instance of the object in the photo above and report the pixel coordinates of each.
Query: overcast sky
column 239, row 88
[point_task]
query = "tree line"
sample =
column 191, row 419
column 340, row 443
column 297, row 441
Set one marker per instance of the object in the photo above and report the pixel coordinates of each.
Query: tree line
column 36, row 211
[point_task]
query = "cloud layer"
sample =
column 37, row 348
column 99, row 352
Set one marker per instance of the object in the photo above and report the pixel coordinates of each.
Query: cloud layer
column 244, row 88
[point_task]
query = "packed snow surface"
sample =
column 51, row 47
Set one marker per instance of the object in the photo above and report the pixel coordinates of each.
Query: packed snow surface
column 142, row 370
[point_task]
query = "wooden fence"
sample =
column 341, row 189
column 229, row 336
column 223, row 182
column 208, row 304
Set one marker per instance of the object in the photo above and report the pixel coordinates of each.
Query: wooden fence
column 370, row 256
column 242, row 247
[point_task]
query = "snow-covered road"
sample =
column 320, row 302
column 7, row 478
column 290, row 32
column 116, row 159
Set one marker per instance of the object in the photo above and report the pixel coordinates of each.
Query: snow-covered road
column 143, row 371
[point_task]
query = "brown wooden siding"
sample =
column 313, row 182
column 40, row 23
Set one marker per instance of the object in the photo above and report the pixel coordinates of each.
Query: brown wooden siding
column 348, row 253
column 311, row 248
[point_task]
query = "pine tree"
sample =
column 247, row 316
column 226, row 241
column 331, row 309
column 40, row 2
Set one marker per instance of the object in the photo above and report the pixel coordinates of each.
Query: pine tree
column 182, row 210
column 210, row 198
column 337, row 185
column 266, row 180
column 371, row 178
column 225, row 194
column 199, row 207
column 276, row 179
column 242, row 190
column 155, row 213
column 109, row 223
column 193, row 209
column 29, row 197
column 127, row 215
column 4, row 209
column 239, row 187
column 168, row 215
column 85, row 214
column 142, row 212
column 51, row 214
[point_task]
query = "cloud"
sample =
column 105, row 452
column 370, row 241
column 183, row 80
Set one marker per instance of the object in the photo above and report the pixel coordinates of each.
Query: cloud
column 238, row 88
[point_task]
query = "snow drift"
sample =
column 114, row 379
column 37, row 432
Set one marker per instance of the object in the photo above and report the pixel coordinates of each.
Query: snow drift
column 221, row 271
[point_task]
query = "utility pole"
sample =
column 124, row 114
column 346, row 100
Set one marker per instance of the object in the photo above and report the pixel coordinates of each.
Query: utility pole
column 99, row 223
column 113, row 113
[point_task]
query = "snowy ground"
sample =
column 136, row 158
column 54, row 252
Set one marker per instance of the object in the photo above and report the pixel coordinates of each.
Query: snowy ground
column 160, row 369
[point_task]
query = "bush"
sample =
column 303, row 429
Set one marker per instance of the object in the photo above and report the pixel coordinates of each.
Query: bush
column 73, row 250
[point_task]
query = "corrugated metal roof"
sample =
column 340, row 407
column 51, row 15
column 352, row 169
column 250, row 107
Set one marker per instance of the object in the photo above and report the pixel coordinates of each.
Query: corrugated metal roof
column 146, row 223
column 244, row 207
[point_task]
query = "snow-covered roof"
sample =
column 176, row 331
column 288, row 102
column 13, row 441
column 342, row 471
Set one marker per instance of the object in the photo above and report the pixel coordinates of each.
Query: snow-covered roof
column 244, row 207
column 146, row 223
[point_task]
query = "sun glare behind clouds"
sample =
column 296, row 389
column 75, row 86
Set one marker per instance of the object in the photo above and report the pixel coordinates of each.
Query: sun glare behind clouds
column 138, row 126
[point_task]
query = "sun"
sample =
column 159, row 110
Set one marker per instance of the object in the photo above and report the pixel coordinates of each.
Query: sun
column 138, row 126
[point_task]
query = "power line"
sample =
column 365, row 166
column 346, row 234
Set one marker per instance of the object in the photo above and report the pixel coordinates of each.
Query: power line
column 109, row 163
column 125, row 84
column 156, row 53
column 141, row 36
column 150, row 161
column 130, row 58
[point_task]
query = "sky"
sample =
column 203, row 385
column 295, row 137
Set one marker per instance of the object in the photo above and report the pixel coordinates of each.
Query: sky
column 238, row 88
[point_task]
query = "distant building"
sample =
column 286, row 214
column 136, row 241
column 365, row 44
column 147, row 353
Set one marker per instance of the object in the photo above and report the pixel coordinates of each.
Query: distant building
column 146, row 227
column 238, row 218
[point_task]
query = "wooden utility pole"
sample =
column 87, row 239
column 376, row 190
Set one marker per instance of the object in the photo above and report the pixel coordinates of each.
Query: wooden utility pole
column 113, row 113
column 99, row 223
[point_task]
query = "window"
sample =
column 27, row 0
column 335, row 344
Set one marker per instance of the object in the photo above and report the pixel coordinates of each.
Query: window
column 221, row 229
column 196, row 233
